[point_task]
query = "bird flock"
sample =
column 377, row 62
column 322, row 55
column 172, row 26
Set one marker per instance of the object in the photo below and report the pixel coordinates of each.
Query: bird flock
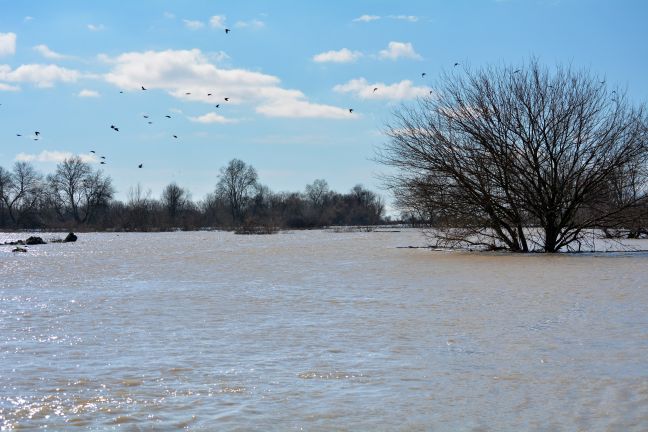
column 147, row 117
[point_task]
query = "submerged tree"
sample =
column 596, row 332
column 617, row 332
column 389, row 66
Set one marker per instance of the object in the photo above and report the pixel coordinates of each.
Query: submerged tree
column 522, row 158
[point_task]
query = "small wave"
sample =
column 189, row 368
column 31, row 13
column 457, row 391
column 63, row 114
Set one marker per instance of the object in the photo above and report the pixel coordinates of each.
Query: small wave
column 332, row 375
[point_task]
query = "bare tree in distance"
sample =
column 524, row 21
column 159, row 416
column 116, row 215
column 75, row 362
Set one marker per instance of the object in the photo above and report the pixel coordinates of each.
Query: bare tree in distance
column 237, row 183
column 317, row 193
column 77, row 189
column 174, row 200
column 139, row 205
column 523, row 158
column 20, row 191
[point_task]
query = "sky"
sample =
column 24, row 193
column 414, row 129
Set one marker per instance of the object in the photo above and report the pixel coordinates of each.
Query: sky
column 291, row 70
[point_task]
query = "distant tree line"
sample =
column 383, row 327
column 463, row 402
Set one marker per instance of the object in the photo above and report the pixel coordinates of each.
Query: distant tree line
column 78, row 196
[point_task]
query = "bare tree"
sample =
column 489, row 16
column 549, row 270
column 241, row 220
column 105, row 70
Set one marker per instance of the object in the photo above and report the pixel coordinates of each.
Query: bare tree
column 317, row 192
column 78, row 190
column 237, row 183
column 20, row 191
column 174, row 200
column 139, row 206
column 522, row 158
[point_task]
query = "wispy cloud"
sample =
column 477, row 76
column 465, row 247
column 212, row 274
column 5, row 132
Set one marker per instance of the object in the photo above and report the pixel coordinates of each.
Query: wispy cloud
column 53, row 156
column 344, row 55
column 217, row 21
column 297, row 108
column 193, row 24
column 410, row 18
column 96, row 27
column 254, row 24
column 7, row 87
column 38, row 74
column 48, row 53
column 367, row 18
column 168, row 15
column 212, row 117
column 85, row 93
column 402, row 90
column 396, row 50
column 7, row 43
column 28, row 18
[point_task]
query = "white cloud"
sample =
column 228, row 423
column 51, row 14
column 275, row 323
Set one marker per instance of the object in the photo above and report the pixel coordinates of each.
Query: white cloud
column 193, row 25
column 410, row 18
column 296, row 108
column 219, row 56
column 397, row 91
column 367, row 18
column 7, row 43
column 48, row 53
column 396, row 50
column 38, row 74
column 344, row 55
column 96, row 27
column 211, row 117
column 7, row 87
column 252, row 24
column 85, row 93
column 179, row 72
column 28, row 18
column 217, row 21
column 54, row 156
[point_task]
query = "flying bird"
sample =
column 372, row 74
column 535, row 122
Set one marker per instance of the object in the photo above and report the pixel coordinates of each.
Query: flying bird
column 456, row 64
column 227, row 30
column 143, row 88
column 140, row 165
column 103, row 157
column 145, row 116
column 121, row 92
column 102, row 163
column 92, row 151
column 188, row 93
column 226, row 99
column 175, row 136
column 150, row 122
column 208, row 94
column 517, row 71
column 351, row 110
column 375, row 89
column 18, row 135
column 167, row 116
column 36, row 133
column 217, row 105
column 423, row 74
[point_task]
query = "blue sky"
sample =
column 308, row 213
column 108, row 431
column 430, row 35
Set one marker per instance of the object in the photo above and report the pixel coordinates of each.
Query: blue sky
column 290, row 68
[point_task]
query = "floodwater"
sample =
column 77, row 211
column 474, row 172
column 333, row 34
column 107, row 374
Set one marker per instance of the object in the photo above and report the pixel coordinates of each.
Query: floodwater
column 318, row 330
